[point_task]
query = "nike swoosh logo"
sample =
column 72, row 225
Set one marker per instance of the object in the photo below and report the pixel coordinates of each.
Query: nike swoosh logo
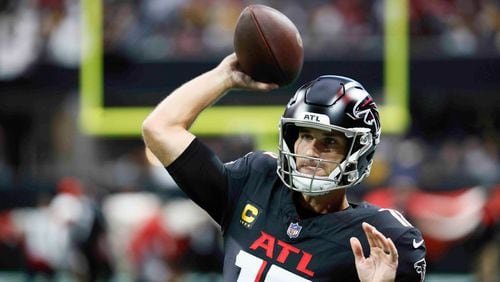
column 417, row 244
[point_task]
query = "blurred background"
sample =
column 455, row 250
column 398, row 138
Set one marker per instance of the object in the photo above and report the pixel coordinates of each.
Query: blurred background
column 78, row 206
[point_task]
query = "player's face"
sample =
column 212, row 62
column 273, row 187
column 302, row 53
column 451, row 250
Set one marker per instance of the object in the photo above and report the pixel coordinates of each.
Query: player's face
column 331, row 146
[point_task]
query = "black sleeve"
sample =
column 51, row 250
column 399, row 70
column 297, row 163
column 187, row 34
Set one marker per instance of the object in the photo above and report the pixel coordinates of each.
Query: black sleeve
column 412, row 251
column 202, row 176
column 409, row 243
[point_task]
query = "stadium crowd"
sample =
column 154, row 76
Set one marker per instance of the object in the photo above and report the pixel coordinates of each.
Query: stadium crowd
column 156, row 30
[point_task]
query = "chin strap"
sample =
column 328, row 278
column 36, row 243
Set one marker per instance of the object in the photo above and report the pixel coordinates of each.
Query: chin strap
column 305, row 184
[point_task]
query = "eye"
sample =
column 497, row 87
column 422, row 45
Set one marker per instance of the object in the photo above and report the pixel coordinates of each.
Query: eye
column 328, row 141
column 306, row 136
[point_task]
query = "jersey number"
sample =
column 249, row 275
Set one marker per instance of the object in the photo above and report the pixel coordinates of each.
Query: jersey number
column 397, row 215
column 252, row 269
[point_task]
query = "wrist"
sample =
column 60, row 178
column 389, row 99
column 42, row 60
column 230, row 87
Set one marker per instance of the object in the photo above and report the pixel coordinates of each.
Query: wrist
column 223, row 77
column 382, row 279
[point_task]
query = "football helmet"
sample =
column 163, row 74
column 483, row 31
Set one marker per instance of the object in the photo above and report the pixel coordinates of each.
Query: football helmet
column 330, row 103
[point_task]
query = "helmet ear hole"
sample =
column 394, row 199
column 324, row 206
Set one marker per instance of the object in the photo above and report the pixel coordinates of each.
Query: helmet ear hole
column 366, row 162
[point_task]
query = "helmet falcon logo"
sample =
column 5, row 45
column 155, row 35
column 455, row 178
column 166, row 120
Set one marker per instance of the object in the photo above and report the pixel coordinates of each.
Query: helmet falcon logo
column 366, row 110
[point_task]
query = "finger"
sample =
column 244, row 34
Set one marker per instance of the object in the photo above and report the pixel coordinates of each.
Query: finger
column 230, row 59
column 386, row 244
column 393, row 249
column 257, row 85
column 357, row 249
column 380, row 239
column 264, row 86
column 368, row 229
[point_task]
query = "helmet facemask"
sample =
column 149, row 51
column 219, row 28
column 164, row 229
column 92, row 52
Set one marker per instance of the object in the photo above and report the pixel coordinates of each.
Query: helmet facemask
column 346, row 172
column 332, row 104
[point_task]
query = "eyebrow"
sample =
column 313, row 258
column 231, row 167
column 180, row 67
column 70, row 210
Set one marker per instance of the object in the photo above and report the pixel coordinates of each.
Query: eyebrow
column 323, row 133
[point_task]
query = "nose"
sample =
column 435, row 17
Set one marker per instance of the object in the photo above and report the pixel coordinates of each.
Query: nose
column 313, row 149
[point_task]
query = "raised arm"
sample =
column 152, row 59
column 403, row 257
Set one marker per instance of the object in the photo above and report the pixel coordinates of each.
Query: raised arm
column 165, row 130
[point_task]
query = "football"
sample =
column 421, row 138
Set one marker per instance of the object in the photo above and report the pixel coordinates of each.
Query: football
column 268, row 45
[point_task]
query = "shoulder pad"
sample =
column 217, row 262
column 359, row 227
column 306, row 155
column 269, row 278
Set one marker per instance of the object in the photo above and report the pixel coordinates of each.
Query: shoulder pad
column 260, row 161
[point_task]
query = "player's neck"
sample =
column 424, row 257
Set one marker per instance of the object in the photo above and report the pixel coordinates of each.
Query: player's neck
column 331, row 202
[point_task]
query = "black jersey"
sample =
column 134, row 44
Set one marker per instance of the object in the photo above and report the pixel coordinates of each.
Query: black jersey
column 264, row 237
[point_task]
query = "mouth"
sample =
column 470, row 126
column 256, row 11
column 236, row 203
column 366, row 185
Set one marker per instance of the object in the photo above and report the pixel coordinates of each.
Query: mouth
column 312, row 170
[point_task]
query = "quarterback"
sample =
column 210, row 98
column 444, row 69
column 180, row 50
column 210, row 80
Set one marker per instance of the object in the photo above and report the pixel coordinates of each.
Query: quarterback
column 286, row 217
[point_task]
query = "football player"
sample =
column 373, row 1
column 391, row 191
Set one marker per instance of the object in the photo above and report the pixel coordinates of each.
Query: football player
column 287, row 217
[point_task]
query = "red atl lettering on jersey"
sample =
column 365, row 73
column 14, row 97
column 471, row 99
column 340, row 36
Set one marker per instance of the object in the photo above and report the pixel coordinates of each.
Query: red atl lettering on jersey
column 267, row 242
